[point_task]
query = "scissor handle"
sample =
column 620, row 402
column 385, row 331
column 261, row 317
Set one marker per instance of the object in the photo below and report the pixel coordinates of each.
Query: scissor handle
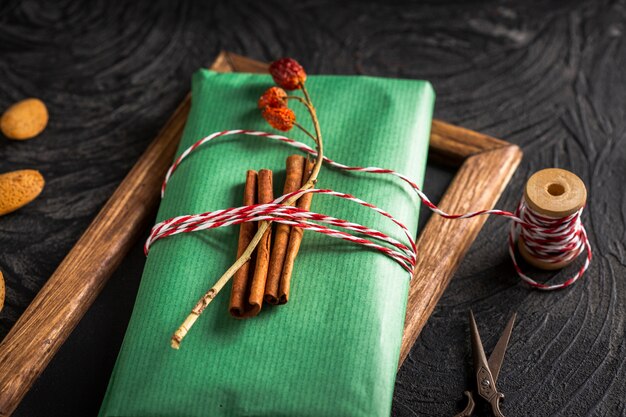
column 469, row 408
column 495, row 404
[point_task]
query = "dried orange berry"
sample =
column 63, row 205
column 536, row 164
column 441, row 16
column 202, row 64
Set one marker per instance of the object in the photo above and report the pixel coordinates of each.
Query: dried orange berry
column 281, row 118
column 273, row 97
column 288, row 73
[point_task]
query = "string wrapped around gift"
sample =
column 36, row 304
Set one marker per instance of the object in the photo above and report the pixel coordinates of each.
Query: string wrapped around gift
column 293, row 216
column 550, row 239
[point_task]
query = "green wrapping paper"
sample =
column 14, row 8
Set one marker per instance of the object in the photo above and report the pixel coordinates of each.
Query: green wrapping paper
column 333, row 350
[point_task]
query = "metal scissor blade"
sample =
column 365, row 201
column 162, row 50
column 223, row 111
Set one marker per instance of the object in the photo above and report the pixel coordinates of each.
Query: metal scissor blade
column 480, row 360
column 497, row 356
column 485, row 382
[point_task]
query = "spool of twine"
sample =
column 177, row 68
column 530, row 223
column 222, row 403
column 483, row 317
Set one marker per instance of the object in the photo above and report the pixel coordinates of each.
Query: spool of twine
column 552, row 196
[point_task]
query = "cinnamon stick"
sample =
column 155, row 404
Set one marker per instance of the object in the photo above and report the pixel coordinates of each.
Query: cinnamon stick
column 240, row 290
column 295, row 239
column 293, row 181
column 257, row 288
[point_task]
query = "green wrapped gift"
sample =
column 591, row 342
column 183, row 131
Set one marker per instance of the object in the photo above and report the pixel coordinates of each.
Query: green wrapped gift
column 333, row 350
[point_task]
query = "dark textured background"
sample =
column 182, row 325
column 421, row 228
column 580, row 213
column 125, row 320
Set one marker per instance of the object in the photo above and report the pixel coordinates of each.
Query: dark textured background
column 547, row 76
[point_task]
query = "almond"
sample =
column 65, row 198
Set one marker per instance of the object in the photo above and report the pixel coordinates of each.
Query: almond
column 1, row 291
column 25, row 119
column 18, row 188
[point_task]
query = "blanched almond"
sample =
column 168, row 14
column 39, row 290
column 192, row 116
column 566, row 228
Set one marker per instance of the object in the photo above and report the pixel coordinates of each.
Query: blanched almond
column 25, row 119
column 19, row 188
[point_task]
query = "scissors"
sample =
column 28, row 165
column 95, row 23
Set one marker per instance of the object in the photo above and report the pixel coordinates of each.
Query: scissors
column 487, row 370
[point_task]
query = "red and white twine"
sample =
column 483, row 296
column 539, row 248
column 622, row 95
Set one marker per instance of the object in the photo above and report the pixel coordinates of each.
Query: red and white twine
column 552, row 240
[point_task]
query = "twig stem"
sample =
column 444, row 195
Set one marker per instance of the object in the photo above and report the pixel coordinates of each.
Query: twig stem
column 206, row 299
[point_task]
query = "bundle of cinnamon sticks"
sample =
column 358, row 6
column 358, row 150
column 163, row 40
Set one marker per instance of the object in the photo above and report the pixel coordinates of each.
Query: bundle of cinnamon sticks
column 267, row 275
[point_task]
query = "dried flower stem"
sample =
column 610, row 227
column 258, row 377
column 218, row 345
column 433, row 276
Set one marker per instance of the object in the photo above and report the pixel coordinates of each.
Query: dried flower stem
column 206, row 299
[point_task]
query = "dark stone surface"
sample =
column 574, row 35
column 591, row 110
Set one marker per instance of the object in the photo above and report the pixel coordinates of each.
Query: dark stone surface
column 547, row 76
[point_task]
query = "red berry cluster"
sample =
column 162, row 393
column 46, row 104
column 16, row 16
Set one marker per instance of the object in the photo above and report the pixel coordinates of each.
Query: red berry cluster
column 273, row 97
column 288, row 74
column 281, row 118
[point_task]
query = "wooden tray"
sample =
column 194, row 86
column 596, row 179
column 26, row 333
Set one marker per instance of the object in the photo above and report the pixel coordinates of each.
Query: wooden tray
column 485, row 166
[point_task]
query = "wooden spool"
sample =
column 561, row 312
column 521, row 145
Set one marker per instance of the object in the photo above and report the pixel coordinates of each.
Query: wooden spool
column 552, row 192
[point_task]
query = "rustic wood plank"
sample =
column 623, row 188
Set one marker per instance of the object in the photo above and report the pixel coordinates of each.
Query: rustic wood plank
column 70, row 291
column 452, row 144
column 443, row 243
